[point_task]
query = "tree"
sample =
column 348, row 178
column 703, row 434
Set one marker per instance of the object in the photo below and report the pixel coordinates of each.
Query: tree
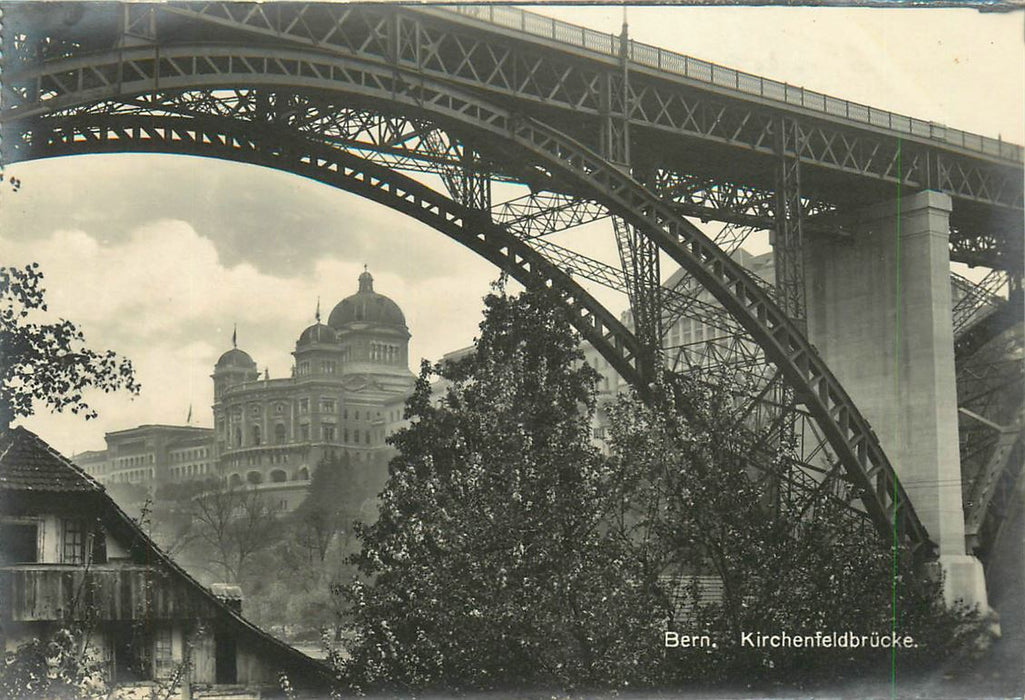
column 510, row 554
column 802, row 565
column 48, row 362
column 230, row 525
column 492, row 565
column 330, row 508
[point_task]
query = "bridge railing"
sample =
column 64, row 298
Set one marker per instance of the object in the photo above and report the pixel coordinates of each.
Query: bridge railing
column 721, row 76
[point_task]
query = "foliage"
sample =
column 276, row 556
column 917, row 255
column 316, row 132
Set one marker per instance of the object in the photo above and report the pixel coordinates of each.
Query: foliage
column 509, row 553
column 795, row 561
column 492, row 565
column 48, row 362
column 229, row 526
column 329, row 510
column 59, row 666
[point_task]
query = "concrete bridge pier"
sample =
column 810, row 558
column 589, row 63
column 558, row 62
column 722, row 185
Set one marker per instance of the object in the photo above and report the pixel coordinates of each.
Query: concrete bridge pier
column 879, row 312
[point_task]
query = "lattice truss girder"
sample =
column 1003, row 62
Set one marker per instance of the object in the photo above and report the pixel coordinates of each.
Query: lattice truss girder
column 437, row 45
column 749, row 368
column 552, row 157
column 991, row 388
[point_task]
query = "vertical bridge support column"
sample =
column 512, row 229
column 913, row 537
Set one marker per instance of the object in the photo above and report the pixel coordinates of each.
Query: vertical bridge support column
column 879, row 311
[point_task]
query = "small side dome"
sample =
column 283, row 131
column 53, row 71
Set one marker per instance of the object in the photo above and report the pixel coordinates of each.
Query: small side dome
column 317, row 333
column 235, row 359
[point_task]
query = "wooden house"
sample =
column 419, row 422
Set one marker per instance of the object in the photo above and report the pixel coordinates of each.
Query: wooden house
column 70, row 557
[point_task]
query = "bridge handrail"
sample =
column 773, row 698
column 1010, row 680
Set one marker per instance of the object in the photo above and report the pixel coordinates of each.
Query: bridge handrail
column 721, row 76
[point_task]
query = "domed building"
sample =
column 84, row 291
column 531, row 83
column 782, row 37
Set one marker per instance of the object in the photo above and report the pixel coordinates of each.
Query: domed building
column 348, row 387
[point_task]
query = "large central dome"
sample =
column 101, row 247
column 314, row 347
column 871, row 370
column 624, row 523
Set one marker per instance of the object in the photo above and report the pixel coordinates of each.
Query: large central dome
column 366, row 306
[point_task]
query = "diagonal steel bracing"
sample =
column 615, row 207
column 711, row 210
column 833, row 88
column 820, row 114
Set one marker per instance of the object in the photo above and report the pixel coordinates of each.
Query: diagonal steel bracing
column 850, row 150
column 503, row 136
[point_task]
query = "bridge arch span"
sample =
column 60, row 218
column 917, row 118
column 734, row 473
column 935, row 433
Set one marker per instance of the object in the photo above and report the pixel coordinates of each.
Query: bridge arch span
column 73, row 84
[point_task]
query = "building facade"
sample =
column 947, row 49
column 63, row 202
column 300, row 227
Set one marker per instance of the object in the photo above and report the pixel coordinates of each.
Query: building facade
column 349, row 382
column 345, row 395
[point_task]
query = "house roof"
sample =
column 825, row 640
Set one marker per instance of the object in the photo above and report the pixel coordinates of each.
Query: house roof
column 27, row 463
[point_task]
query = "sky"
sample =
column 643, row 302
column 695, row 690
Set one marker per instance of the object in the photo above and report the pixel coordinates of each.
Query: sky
column 159, row 257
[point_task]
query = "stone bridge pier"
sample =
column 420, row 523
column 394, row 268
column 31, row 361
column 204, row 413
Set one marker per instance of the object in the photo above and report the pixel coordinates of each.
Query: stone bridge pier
column 879, row 311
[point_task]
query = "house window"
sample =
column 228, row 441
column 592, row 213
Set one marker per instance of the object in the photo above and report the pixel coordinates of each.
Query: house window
column 19, row 543
column 279, row 434
column 327, row 405
column 73, row 551
column 256, row 435
column 304, row 432
column 163, row 659
column 131, row 648
column 329, row 432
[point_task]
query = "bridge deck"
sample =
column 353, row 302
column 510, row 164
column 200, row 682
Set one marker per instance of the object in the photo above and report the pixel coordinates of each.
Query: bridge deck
column 746, row 84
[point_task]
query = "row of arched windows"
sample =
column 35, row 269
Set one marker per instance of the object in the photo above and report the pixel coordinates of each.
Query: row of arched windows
column 276, row 476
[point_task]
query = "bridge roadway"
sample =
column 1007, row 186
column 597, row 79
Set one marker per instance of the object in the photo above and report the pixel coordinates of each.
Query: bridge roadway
column 356, row 95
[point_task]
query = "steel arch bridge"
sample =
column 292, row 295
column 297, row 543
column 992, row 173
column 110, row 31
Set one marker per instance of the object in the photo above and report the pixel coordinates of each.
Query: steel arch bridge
column 377, row 100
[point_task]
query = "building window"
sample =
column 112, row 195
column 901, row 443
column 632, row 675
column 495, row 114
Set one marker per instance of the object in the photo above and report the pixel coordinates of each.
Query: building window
column 279, row 434
column 132, row 647
column 329, row 432
column 304, row 432
column 19, row 543
column 256, row 435
column 163, row 659
column 304, row 405
column 366, row 434
column 279, row 408
column 328, row 405
column 73, row 551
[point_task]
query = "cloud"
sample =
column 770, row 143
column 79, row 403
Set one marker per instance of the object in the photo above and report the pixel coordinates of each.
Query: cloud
column 279, row 223
column 164, row 297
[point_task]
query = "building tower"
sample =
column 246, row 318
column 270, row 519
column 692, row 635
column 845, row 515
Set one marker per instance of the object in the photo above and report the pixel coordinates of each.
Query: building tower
column 372, row 337
column 233, row 367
